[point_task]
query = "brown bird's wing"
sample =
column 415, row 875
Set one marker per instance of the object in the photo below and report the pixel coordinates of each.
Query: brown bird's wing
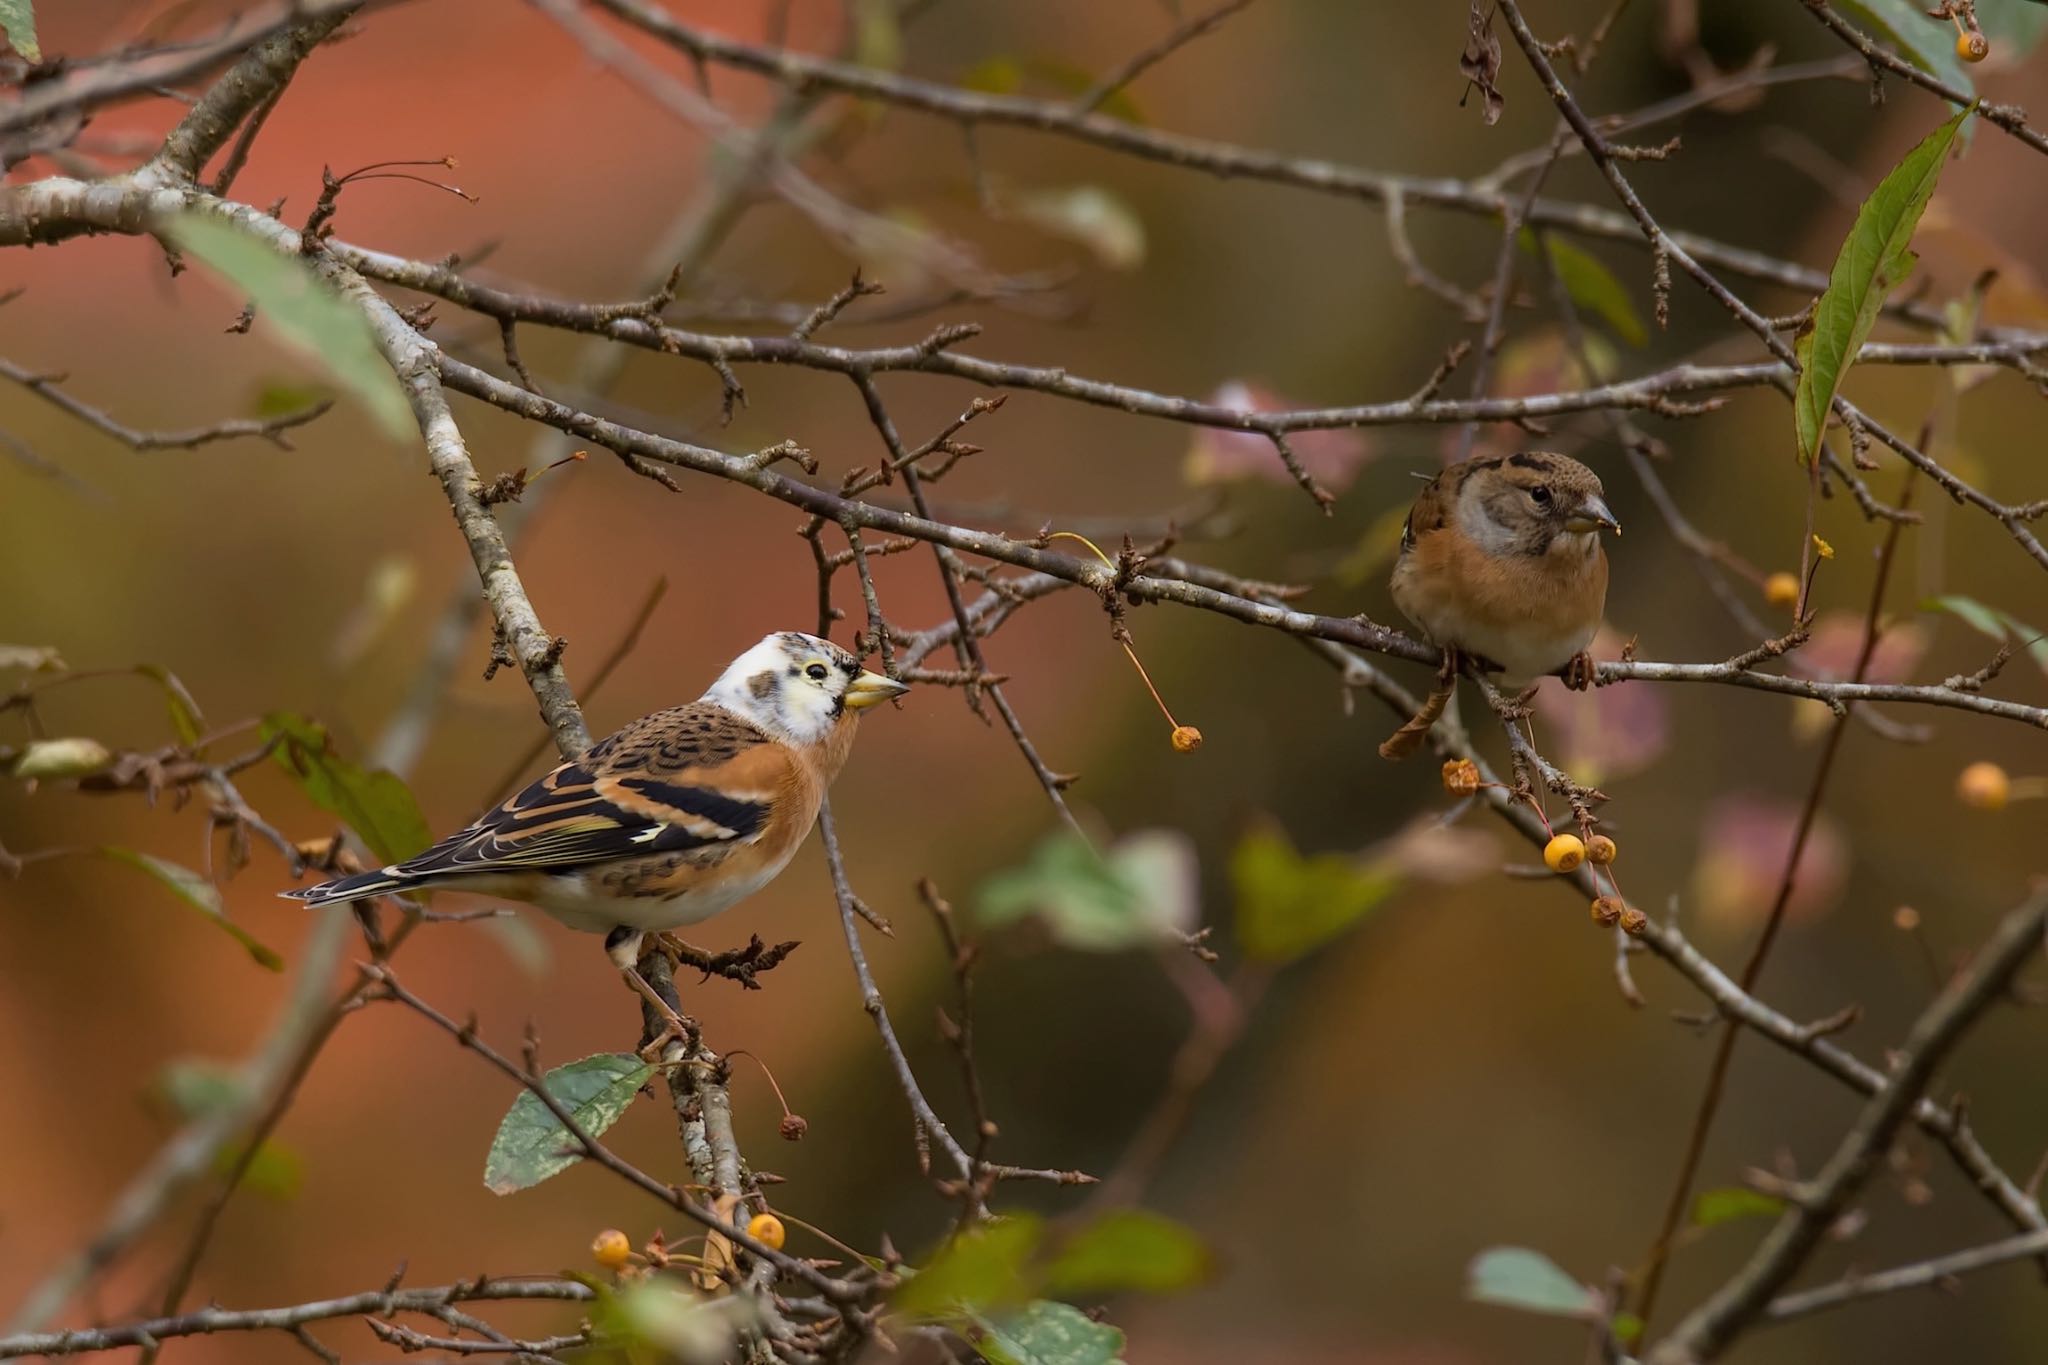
column 693, row 778
column 1432, row 509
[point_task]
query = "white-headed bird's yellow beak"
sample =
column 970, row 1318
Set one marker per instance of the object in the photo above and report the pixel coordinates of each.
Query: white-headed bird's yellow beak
column 869, row 689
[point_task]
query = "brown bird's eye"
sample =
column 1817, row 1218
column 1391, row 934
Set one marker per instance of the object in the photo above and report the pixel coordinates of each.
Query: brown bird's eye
column 817, row 672
column 1541, row 492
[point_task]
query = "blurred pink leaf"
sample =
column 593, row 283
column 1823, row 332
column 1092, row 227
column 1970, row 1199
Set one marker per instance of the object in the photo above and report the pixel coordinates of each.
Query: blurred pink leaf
column 1744, row 845
column 1332, row 457
column 1540, row 362
column 1604, row 732
column 1838, row 638
column 1427, row 849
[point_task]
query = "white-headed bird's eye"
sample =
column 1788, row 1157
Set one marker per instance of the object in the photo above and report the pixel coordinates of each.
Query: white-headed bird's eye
column 818, row 672
column 1541, row 493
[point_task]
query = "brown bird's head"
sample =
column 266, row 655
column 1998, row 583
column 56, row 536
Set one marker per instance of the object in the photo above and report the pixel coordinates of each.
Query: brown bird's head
column 1531, row 503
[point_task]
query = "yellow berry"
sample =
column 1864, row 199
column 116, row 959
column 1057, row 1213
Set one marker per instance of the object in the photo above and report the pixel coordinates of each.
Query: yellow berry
column 1782, row 590
column 1633, row 922
column 1600, row 849
column 1461, row 776
column 1186, row 739
column 1564, row 853
column 611, row 1249
column 1972, row 46
column 766, row 1229
column 1984, row 786
column 1607, row 911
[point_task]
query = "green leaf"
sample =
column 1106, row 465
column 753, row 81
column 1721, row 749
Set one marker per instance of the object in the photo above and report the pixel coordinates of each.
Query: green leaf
column 1591, row 285
column 984, row 1268
column 301, row 309
column 275, row 1171
column 653, row 1319
column 1047, row 1333
column 1516, row 1277
column 1288, row 904
column 35, row 658
column 1999, row 625
column 197, row 1086
column 1929, row 44
column 198, row 893
column 532, row 1144
column 75, row 756
column 1873, row 260
column 878, row 35
column 1143, row 892
column 1731, row 1202
column 1128, row 1250
column 2014, row 31
column 377, row 804
column 1098, row 218
column 1009, row 76
column 18, row 17
column 186, row 721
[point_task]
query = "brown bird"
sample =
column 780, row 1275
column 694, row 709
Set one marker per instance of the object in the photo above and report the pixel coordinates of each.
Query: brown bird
column 1501, row 563
column 676, row 817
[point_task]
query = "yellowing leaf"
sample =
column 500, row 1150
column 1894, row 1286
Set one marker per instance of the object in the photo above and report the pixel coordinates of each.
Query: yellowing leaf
column 1874, row 259
column 18, row 18
column 301, row 309
column 73, row 757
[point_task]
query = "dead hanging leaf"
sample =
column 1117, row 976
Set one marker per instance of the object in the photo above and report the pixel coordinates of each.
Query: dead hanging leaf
column 1480, row 64
column 720, row 1267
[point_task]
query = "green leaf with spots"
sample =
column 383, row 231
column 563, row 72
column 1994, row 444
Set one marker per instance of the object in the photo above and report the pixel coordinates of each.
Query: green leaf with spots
column 1874, row 259
column 532, row 1144
column 1288, row 905
column 301, row 309
column 1047, row 1333
column 198, row 893
column 374, row 803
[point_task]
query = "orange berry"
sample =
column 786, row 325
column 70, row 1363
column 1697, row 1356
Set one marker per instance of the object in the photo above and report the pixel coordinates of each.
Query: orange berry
column 1564, row 853
column 1461, row 776
column 1984, row 786
column 1601, row 850
column 611, row 1249
column 1782, row 590
column 1607, row 911
column 1633, row 922
column 1186, row 739
column 766, row 1229
column 1972, row 46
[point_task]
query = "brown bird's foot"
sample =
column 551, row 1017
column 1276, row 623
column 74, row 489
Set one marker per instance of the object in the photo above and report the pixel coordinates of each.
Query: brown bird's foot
column 1409, row 738
column 736, row 964
column 674, row 1026
column 1578, row 672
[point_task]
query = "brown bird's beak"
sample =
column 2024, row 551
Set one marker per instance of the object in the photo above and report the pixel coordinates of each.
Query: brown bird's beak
column 1593, row 515
column 870, row 689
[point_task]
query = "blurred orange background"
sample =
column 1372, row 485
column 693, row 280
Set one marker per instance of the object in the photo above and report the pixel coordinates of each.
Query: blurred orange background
column 1460, row 1072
